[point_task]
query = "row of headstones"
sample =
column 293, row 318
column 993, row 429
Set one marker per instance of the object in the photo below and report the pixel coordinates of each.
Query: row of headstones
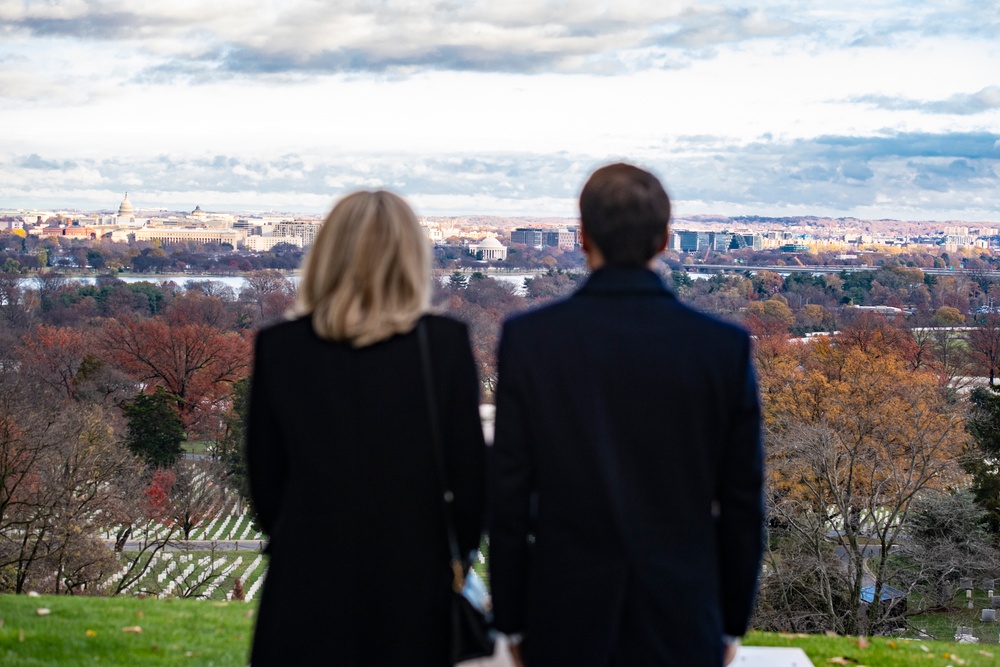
column 227, row 531
column 246, row 577
column 211, row 588
column 255, row 586
column 113, row 579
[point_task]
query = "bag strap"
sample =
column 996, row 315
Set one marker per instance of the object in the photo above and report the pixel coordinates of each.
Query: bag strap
column 458, row 566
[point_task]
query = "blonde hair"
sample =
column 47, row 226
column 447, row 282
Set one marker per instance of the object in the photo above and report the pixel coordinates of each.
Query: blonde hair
column 367, row 276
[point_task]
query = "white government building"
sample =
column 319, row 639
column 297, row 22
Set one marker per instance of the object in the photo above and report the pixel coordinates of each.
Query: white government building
column 491, row 248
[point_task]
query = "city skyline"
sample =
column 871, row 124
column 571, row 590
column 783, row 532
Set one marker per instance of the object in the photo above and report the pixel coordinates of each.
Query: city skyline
column 884, row 110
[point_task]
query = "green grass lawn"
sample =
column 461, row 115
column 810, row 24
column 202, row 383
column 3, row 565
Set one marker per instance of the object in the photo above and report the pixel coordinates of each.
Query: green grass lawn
column 88, row 631
column 881, row 651
column 196, row 446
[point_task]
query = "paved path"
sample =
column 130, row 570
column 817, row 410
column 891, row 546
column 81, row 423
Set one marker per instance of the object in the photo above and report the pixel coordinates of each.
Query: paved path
column 200, row 545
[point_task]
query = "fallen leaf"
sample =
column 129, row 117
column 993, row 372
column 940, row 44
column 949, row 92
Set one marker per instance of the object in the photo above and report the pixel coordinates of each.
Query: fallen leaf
column 830, row 633
column 958, row 661
column 20, row 635
column 154, row 647
column 191, row 654
column 139, row 613
column 133, row 629
column 893, row 644
column 924, row 648
column 33, row 594
column 91, row 633
column 842, row 661
column 863, row 642
column 986, row 654
column 249, row 613
column 43, row 611
column 220, row 604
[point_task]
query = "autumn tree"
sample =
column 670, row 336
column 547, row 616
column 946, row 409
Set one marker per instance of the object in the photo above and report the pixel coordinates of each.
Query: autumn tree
column 874, row 335
column 15, row 308
column 854, row 434
column 769, row 318
column 551, row 285
column 185, row 496
column 194, row 362
column 269, row 292
column 61, row 466
column 55, row 355
column 984, row 342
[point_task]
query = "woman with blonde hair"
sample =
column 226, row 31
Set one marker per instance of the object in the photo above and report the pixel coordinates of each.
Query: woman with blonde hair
column 341, row 455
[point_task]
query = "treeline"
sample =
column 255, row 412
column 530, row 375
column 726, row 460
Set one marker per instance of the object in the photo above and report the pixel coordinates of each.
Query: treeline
column 804, row 302
column 25, row 253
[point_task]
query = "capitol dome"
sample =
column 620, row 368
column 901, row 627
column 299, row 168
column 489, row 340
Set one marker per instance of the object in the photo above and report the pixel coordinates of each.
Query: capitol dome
column 126, row 210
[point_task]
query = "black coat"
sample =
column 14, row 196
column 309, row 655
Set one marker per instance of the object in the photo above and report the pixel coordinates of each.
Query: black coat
column 343, row 480
column 626, row 508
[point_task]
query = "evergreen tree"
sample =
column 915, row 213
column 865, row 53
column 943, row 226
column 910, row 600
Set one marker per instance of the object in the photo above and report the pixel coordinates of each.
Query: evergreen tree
column 232, row 447
column 155, row 430
column 982, row 461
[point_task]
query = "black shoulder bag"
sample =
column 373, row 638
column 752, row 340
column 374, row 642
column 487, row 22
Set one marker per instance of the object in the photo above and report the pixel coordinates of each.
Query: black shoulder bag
column 471, row 636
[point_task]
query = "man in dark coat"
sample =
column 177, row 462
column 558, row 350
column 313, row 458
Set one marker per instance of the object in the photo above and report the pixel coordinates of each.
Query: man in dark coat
column 627, row 512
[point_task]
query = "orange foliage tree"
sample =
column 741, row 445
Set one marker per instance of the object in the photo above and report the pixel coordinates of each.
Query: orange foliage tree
column 55, row 354
column 195, row 362
column 854, row 433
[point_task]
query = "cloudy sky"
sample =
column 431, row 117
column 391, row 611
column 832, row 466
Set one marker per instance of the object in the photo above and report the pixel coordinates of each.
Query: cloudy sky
column 866, row 108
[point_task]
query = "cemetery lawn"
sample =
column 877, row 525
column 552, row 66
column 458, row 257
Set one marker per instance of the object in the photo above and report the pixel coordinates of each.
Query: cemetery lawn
column 881, row 651
column 195, row 446
column 942, row 624
column 88, row 631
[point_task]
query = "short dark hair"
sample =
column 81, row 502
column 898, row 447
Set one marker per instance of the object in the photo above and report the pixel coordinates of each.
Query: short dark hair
column 625, row 211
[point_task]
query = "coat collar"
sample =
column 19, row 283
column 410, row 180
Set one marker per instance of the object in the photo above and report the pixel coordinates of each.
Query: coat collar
column 624, row 280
